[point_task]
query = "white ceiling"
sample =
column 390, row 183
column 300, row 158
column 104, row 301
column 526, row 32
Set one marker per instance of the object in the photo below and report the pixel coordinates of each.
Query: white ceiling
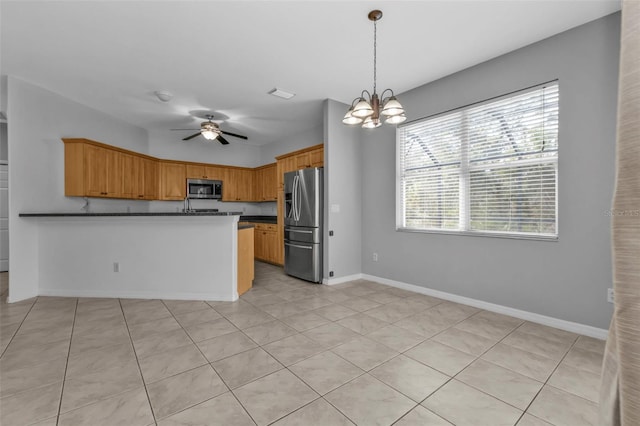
column 225, row 55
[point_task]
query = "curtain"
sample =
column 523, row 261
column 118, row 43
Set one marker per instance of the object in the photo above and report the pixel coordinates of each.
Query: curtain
column 620, row 390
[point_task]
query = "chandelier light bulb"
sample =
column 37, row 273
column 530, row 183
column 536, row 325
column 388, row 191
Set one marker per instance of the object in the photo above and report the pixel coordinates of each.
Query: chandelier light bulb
column 350, row 119
column 392, row 107
column 396, row 119
column 362, row 109
column 371, row 123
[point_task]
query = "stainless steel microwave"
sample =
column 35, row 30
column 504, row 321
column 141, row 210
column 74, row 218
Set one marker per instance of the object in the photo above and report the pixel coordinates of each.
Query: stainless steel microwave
column 204, row 189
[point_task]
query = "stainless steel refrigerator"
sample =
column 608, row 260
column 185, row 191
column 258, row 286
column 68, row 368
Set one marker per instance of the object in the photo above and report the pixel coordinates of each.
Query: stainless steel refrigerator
column 303, row 200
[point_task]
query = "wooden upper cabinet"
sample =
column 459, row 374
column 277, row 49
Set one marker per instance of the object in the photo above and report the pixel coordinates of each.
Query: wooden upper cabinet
column 302, row 159
column 102, row 174
column 237, row 185
column 270, row 183
column 265, row 181
column 173, row 181
column 132, row 176
column 313, row 158
column 150, row 180
column 316, row 157
column 195, row 172
column 139, row 177
column 94, row 169
column 287, row 164
column 214, row 173
column 101, row 167
column 201, row 171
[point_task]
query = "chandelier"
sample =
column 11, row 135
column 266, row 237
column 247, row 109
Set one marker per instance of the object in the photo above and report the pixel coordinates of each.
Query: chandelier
column 367, row 109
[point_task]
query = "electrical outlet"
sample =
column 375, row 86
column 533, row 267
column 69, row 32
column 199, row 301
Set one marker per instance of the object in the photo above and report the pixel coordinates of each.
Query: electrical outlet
column 375, row 257
column 330, row 273
column 116, row 266
column 610, row 295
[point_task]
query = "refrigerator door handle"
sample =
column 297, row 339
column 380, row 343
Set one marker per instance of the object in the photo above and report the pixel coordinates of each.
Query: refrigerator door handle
column 293, row 198
column 297, row 195
column 298, row 246
column 295, row 230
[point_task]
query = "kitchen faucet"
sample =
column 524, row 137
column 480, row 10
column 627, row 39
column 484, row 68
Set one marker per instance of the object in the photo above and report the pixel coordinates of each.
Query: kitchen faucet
column 186, row 208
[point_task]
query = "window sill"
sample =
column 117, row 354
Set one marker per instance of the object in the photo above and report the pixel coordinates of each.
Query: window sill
column 549, row 238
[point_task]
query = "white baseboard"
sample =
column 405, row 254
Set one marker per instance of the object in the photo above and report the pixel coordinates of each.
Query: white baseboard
column 137, row 295
column 340, row 280
column 573, row 327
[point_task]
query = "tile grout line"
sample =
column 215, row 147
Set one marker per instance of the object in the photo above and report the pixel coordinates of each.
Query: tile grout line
column 208, row 363
column 19, row 326
column 546, row 382
column 364, row 372
column 524, row 411
column 126, row 323
column 479, row 357
column 66, row 365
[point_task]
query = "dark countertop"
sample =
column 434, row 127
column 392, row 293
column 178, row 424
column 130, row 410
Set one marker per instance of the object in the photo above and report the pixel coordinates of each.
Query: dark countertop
column 259, row 219
column 129, row 214
column 245, row 226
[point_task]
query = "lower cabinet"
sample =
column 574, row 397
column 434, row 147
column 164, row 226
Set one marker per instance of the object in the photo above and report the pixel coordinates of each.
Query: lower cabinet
column 246, row 270
column 266, row 242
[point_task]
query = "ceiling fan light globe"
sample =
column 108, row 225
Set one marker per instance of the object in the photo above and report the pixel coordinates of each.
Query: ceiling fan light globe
column 362, row 109
column 396, row 119
column 209, row 134
column 371, row 123
column 392, row 107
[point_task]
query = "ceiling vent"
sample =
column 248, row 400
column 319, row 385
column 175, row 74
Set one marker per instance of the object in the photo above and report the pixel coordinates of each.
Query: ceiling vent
column 281, row 93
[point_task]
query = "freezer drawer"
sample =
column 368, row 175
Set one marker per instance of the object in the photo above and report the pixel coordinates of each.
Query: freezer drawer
column 302, row 234
column 303, row 260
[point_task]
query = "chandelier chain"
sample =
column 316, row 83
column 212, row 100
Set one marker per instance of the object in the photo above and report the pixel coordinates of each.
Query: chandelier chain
column 375, row 48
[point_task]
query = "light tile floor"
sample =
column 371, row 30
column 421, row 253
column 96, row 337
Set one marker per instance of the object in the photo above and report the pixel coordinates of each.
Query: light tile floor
column 289, row 353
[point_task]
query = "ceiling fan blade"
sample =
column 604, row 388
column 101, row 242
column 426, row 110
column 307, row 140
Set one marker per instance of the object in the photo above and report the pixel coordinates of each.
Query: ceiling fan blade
column 233, row 134
column 191, row 137
column 184, row 129
column 222, row 140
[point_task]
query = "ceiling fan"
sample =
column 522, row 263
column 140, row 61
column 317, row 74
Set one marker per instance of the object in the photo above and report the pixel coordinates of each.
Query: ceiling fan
column 211, row 130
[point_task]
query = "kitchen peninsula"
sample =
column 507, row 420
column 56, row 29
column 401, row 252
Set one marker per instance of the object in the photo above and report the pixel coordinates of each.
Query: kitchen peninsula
column 191, row 256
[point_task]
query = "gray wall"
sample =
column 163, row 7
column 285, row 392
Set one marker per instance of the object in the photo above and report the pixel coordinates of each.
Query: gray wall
column 566, row 279
column 343, row 186
column 36, row 174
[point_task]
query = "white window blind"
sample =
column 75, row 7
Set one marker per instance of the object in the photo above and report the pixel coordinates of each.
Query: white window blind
column 488, row 168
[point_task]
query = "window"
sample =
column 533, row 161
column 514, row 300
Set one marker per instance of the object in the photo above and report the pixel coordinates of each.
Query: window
column 489, row 168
